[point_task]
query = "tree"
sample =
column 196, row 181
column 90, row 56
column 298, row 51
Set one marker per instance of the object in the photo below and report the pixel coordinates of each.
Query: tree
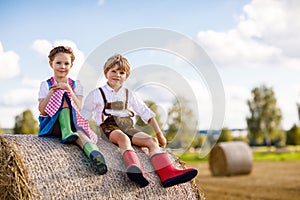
column 293, row 136
column 199, row 140
column 264, row 123
column 145, row 127
column 298, row 106
column 25, row 123
column 225, row 135
column 181, row 124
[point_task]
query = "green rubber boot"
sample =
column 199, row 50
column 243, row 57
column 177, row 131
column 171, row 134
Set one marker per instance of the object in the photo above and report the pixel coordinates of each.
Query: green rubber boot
column 93, row 153
column 67, row 135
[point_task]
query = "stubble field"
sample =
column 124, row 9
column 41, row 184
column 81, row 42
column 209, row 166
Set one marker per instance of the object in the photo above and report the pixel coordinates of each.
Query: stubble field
column 277, row 180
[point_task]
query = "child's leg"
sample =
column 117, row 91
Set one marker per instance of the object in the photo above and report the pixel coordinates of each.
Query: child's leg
column 133, row 166
column 145, row 140
column 64, row 118
column 121, row 139
column 92, row 152
column 168, row 174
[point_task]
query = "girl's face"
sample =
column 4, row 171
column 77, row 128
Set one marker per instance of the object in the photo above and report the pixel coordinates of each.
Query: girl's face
column 116, row 77
column 61, row 65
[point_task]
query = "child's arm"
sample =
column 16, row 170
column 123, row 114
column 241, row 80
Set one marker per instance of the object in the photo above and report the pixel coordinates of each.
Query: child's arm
column 160, row 136
column 91, row 105
column 147, row 116
column 77, row 100
column 43, row 102
column 64, row 86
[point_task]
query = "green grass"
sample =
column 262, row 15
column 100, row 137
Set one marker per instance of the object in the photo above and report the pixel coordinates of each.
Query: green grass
column 192, row 157
column 257, row 156
column 273, row 156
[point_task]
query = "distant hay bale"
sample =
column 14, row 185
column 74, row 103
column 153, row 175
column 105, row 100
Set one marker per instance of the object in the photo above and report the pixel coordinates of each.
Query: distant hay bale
column 230, row 158
column 42, row 168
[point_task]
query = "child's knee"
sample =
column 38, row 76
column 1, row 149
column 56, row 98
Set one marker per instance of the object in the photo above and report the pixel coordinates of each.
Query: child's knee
column 152, row 141
column 119, row 137
column 65, row 103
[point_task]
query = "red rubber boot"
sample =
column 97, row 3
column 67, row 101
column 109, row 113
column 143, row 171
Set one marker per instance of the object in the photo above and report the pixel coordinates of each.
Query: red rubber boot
column 134, row 169
column 168, row 174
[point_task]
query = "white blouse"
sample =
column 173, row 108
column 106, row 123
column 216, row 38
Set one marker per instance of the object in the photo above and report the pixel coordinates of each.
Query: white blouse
column 44, row 89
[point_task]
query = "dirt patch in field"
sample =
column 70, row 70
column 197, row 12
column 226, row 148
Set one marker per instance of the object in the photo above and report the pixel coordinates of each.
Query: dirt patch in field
column 267, row 181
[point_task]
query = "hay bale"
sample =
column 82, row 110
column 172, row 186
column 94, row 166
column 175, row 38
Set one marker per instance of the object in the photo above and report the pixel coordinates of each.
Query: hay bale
column 42, row 168
column 230, row 158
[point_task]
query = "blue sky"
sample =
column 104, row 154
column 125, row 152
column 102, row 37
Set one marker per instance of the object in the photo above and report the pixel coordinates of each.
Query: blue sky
column 251, row 42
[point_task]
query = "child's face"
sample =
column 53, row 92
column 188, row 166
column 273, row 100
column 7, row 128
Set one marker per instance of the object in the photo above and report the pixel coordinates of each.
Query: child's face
column 61, row 65
column 116, row 77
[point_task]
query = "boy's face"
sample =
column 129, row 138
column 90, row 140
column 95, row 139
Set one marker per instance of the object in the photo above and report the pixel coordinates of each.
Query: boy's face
column 61, row 65
column 116, row 77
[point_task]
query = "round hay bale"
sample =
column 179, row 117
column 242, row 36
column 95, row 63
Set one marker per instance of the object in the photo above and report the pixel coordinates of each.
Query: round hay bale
column 230, row 158
column 32, row 167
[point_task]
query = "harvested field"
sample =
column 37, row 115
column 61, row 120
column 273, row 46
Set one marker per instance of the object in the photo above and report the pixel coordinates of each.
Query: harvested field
column 279, row 180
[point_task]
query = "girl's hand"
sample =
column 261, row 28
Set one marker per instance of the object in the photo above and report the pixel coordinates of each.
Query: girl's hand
column 62, row 86
column 161, row 139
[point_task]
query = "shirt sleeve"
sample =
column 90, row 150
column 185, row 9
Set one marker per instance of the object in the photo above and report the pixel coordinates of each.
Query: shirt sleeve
column 140, row 108
column 44, row 89
column 93, row 107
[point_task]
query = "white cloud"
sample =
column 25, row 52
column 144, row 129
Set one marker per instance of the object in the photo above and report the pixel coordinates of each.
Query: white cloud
column 15, row 102
column 43, row 47
column 236, row 106
column 9, row 64
column 267, row 34
column 19, row 97
column 7, row 119
column 31, row 82
column 288, row 104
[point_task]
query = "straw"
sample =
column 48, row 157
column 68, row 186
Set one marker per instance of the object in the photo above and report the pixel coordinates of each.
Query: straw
column 32, row 167
column 230, row 158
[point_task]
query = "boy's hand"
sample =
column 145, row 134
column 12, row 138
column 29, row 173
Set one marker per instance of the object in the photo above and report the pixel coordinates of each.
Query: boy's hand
column 161, row 139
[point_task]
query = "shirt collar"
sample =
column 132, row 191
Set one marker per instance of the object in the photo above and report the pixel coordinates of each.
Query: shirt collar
column 55, row 82
column 112, row 90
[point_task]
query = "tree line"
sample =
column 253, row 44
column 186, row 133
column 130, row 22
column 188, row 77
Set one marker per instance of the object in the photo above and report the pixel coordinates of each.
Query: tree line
column 263, row 123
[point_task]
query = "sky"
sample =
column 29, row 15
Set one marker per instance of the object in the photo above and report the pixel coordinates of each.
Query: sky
column 250, row 42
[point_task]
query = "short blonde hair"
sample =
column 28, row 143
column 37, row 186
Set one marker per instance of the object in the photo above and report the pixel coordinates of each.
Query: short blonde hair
column 117, row 59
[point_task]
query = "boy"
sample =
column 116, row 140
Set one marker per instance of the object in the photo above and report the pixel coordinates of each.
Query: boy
column 110, row 105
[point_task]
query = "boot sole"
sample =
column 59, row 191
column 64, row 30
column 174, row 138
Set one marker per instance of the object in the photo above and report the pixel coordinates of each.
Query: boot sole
column 69, row 140
column 180, row 179
column 98, row 160
column 135, row 174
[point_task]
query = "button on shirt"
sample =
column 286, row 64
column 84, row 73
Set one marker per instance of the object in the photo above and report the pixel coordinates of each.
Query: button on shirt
column 94, row 104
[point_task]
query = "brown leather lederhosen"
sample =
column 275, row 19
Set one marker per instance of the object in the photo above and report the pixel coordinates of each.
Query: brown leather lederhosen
column 111, row 123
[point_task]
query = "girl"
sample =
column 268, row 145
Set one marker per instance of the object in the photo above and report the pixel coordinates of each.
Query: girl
column 111, row 104
column 60, row 99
